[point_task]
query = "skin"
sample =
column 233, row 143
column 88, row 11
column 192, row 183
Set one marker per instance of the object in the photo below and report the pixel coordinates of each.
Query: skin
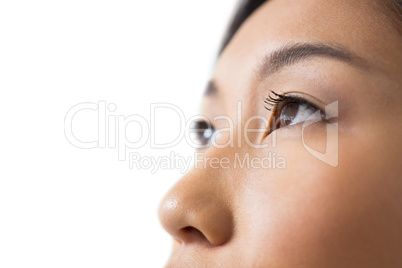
column 309, row 214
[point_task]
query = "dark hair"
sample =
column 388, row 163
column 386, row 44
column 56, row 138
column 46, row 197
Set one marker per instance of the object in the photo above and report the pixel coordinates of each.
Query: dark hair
column 391, row 8
column 245, row 9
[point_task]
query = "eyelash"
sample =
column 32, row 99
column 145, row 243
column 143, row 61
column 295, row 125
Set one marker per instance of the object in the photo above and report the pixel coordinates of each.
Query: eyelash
column 273, row 101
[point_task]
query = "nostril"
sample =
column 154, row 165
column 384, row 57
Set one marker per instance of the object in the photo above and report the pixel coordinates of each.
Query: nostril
column 191, row 234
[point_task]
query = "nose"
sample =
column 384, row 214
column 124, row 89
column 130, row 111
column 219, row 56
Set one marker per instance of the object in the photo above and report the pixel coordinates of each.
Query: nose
column 197, row 209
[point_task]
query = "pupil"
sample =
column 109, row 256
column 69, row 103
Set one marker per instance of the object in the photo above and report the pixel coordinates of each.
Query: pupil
column 288, row 113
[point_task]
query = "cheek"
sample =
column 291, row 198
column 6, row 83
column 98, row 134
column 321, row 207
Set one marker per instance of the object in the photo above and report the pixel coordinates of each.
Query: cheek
column 318, row 215
column 301, row 219
column 290, row 219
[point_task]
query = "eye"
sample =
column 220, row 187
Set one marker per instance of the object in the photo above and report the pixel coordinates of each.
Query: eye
column 203, row 132
column 291, row 109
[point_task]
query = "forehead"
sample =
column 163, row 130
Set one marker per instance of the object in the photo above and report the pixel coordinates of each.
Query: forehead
column 356, row 25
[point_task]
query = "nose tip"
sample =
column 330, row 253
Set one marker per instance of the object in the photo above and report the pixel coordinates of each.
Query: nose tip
column 194, row 213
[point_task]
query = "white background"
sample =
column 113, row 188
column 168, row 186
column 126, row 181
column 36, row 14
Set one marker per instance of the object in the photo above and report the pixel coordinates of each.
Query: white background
column 61, row 206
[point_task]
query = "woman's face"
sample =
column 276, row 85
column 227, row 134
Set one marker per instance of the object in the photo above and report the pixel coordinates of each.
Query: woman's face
column 326, row 194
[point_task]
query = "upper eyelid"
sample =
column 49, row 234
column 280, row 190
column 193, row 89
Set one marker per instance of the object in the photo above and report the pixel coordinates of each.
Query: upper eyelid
column 295, row 96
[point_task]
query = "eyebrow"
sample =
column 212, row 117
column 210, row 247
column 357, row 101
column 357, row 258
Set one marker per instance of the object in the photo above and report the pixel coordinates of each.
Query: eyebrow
column 211, row 89
column 293, row 53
